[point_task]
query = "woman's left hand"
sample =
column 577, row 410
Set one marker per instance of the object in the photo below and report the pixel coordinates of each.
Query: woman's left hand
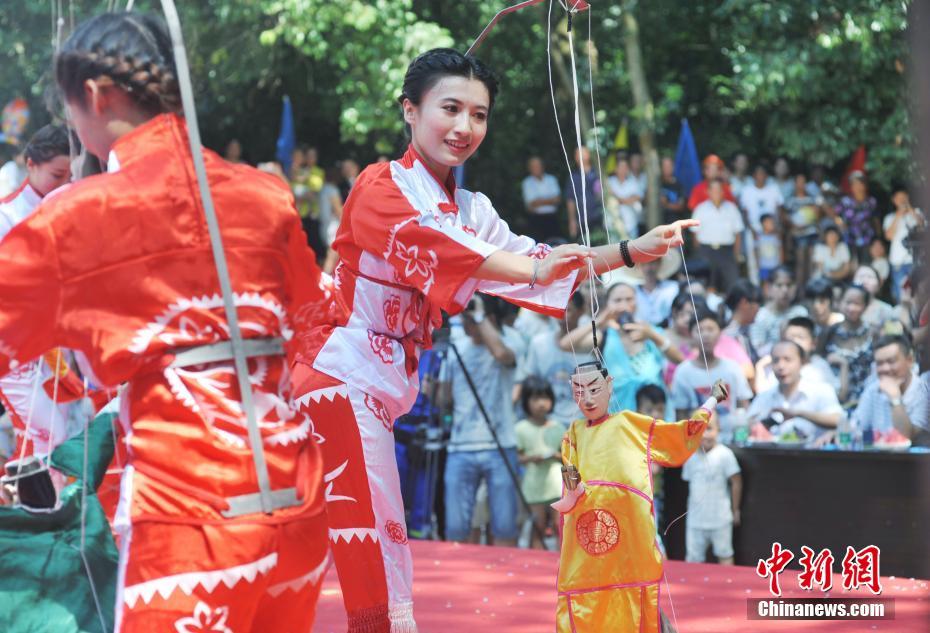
column 639, row 331
column 657, row 242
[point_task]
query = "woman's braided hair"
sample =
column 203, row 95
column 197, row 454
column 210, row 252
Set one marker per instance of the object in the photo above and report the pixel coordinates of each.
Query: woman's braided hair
column 131, row 49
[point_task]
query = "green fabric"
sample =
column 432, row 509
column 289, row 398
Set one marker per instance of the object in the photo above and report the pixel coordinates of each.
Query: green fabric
column 44, row 585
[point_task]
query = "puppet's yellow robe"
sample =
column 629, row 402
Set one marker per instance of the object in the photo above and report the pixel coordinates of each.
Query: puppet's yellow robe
column 610, row 567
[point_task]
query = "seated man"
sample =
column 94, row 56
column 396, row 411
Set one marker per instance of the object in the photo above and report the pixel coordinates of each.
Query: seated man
column 798, row 330
column 897, row 401
column 807, row 408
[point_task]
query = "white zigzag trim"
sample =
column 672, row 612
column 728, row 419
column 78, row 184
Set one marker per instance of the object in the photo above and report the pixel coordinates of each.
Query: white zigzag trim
column 347, row 534
column 313, row 576
column 329, row 393
column 296, row 434
column 187, row 582
column 144, row 336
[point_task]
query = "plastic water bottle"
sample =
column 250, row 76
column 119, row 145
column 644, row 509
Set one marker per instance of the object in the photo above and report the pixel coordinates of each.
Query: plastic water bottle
column 844, row 434
column 740, row 427
column 857, row 444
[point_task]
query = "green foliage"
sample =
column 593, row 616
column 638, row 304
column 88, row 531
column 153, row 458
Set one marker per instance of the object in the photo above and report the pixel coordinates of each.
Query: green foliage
column 825, row 77
column 808, row 79
column 369, row 43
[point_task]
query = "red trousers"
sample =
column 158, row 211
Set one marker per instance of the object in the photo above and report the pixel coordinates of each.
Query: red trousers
column 367, row 530
column 238, row 577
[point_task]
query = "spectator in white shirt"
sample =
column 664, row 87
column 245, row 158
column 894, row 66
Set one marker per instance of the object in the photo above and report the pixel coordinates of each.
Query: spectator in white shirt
column 638, row 172
column 832, row 259
column 541, row 195
column 654, row 296
column 783, row 178
column 898, row 399
column 626, row 195
column 798, row 330
column 739, row 177
column 719, row 236
column 897, row 226
column 762, row 197
column 806, row 407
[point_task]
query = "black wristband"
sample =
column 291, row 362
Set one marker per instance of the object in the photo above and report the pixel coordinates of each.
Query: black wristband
column 625, row 253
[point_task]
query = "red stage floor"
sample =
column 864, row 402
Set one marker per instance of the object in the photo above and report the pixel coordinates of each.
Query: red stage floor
column 466, row 588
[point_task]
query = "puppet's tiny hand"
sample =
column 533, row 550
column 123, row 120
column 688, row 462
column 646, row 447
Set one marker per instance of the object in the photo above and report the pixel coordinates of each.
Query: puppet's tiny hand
column 570, row 477
column 720, row 391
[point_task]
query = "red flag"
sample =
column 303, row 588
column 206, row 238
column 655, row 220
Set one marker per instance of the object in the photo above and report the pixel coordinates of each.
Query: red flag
column 856, row 163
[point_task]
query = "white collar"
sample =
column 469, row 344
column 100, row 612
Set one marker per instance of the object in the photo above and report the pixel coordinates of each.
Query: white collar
column 112, row 162
column 30, row 196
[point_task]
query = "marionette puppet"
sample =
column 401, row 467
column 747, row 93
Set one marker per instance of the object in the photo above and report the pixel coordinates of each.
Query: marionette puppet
column 610, row 565
column 186, row 278
column 412, row 244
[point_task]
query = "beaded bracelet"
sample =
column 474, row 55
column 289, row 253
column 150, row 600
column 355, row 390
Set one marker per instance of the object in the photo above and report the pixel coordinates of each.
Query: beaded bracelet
column 625, row 254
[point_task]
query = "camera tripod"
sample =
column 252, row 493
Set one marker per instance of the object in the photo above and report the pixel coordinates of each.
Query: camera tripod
column 429, row 439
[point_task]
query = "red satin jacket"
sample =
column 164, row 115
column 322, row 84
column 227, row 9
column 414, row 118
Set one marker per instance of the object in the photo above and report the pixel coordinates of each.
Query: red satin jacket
column 120, row 267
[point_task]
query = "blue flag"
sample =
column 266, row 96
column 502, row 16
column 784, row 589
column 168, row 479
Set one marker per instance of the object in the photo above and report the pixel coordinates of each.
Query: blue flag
column 287, row 139
column 687, row 165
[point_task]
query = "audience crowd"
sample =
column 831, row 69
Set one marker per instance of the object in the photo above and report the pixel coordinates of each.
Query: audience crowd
column 807, row 301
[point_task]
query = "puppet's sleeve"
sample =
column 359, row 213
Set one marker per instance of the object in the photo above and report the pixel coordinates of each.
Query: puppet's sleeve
column 30, row 294
column 569, row 453
column 672, row 443
column 433, row 256
column 550, row 299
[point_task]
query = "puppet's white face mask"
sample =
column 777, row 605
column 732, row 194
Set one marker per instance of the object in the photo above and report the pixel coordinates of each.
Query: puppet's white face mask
column 592, row 393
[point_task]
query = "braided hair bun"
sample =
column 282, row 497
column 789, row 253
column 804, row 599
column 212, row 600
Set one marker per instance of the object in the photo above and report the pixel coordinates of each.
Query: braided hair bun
column 426, row 70
column 131, row 49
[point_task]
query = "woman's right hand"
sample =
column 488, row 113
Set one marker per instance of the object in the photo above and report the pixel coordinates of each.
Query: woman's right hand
column 562, row 261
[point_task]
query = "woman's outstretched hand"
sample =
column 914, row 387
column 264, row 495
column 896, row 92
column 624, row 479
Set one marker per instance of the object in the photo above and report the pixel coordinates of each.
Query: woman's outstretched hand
column 660, row 240
column 561, row 261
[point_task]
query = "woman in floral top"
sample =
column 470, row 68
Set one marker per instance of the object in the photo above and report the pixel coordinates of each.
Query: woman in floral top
column 858, row 215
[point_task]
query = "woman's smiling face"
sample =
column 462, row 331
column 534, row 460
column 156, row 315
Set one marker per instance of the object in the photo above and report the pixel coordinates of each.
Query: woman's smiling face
column 450, row 122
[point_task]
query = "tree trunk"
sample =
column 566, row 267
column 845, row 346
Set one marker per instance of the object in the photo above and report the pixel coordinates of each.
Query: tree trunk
column 644, row 111
column 562, row 75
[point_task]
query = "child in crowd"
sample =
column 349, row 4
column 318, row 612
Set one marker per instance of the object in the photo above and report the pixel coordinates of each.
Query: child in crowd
column 878, row 259
column 692, row 382
column 819, row 300
column 539, row 445
column 769, row 250
column 715, row 488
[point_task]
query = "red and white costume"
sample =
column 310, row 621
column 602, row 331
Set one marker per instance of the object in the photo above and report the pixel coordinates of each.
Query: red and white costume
column 25, row 392
column 409, row 247
column 120, row 268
